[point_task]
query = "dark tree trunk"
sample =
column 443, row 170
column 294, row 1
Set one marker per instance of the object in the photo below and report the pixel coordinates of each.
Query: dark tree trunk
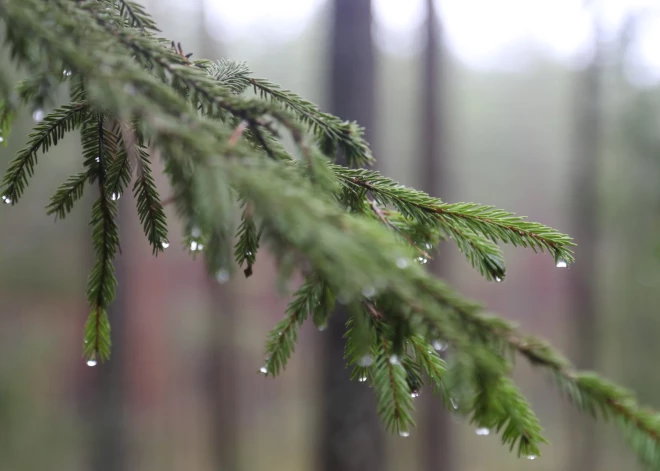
column 221, row 372
column 583, row 275
column 435, row 424
column 351, row 436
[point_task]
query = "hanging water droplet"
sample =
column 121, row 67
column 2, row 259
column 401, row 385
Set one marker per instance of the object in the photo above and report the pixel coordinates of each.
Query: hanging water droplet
column 115, row 196
column 429, row 246
column 561, row 263
column 454, row 404
column 365, row 360
column 483, row 431
column 6, row 199
column 439, row 345
column 322, row 327
column 2, row 139
column 362, row 379
column 91, row 362
column 404, row 433
column 200, row 247
column 498, row 279
column 531, row 457
column 195, row 232
column 193, row 246
column 394, row 359
column 414, row 394
column 369, row 291
column 165, row 244
column 222, row 276
column 98, row 159
column 66, row 73
column 422, row 260
column 264, row 369
column 38, row 115
column 401, row 262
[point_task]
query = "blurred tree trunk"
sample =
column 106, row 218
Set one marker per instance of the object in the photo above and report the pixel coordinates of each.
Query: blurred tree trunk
column 106, row 414
column 220, row 371
column 351, row 437
column 437, row 453
column 583, row 276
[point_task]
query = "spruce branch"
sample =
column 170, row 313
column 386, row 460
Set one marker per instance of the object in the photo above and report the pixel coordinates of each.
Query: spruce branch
column 61, row 203
column 247, row 243
column 282, row 339
column 135, row 15
column 150, row 211
column 494, row 224
column 330, row 130
column 354, row 233
column 393, row 394
column 102, row 282
column 46, row 133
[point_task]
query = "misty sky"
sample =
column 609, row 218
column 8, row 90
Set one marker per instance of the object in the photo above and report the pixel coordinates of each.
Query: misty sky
column 483, row 33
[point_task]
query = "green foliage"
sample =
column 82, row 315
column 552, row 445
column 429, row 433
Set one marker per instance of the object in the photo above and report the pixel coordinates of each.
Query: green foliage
column 355, row 236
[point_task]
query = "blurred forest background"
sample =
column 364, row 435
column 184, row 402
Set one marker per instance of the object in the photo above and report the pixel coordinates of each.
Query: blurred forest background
column 550, row 109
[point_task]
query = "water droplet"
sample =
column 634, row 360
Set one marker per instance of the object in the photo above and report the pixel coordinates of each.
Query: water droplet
column 414, row 394
column 483, row 431
column 195, row 232
column 66, row 73
column 193, row 246
column 422, row 260
column 38, row 115
column 98, row 159
column 429, row 246
column 115, row 196
column 394, row 359
column 401, row 262
column 222, row 276
column 362, row 379
column 6, row 199
column 248, row 253
column 439, row 346
column 200, row 247
column 498, row 279
column 322, row 327
column 369, row 291
column 365, row 360
column 2, row 139
column 264, row 369
column 531, row 457
column 91, row 362
column 165, row 244
column 404, row 433
column 561, row 263
column 454, row 404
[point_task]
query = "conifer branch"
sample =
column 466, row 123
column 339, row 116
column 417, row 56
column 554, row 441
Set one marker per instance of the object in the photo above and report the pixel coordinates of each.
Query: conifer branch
column 66, row 195
column 247, row 243
column 135, row 15
column 392, row 392
column 495, row 224
column 282, row 339
column 150, row 211
column 313, row 214
column 46, row 133
column 330, row 130
column 120, row 169
column 102, row 282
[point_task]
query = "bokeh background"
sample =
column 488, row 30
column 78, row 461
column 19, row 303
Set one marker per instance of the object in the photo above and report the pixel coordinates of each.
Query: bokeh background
column 548, row 108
